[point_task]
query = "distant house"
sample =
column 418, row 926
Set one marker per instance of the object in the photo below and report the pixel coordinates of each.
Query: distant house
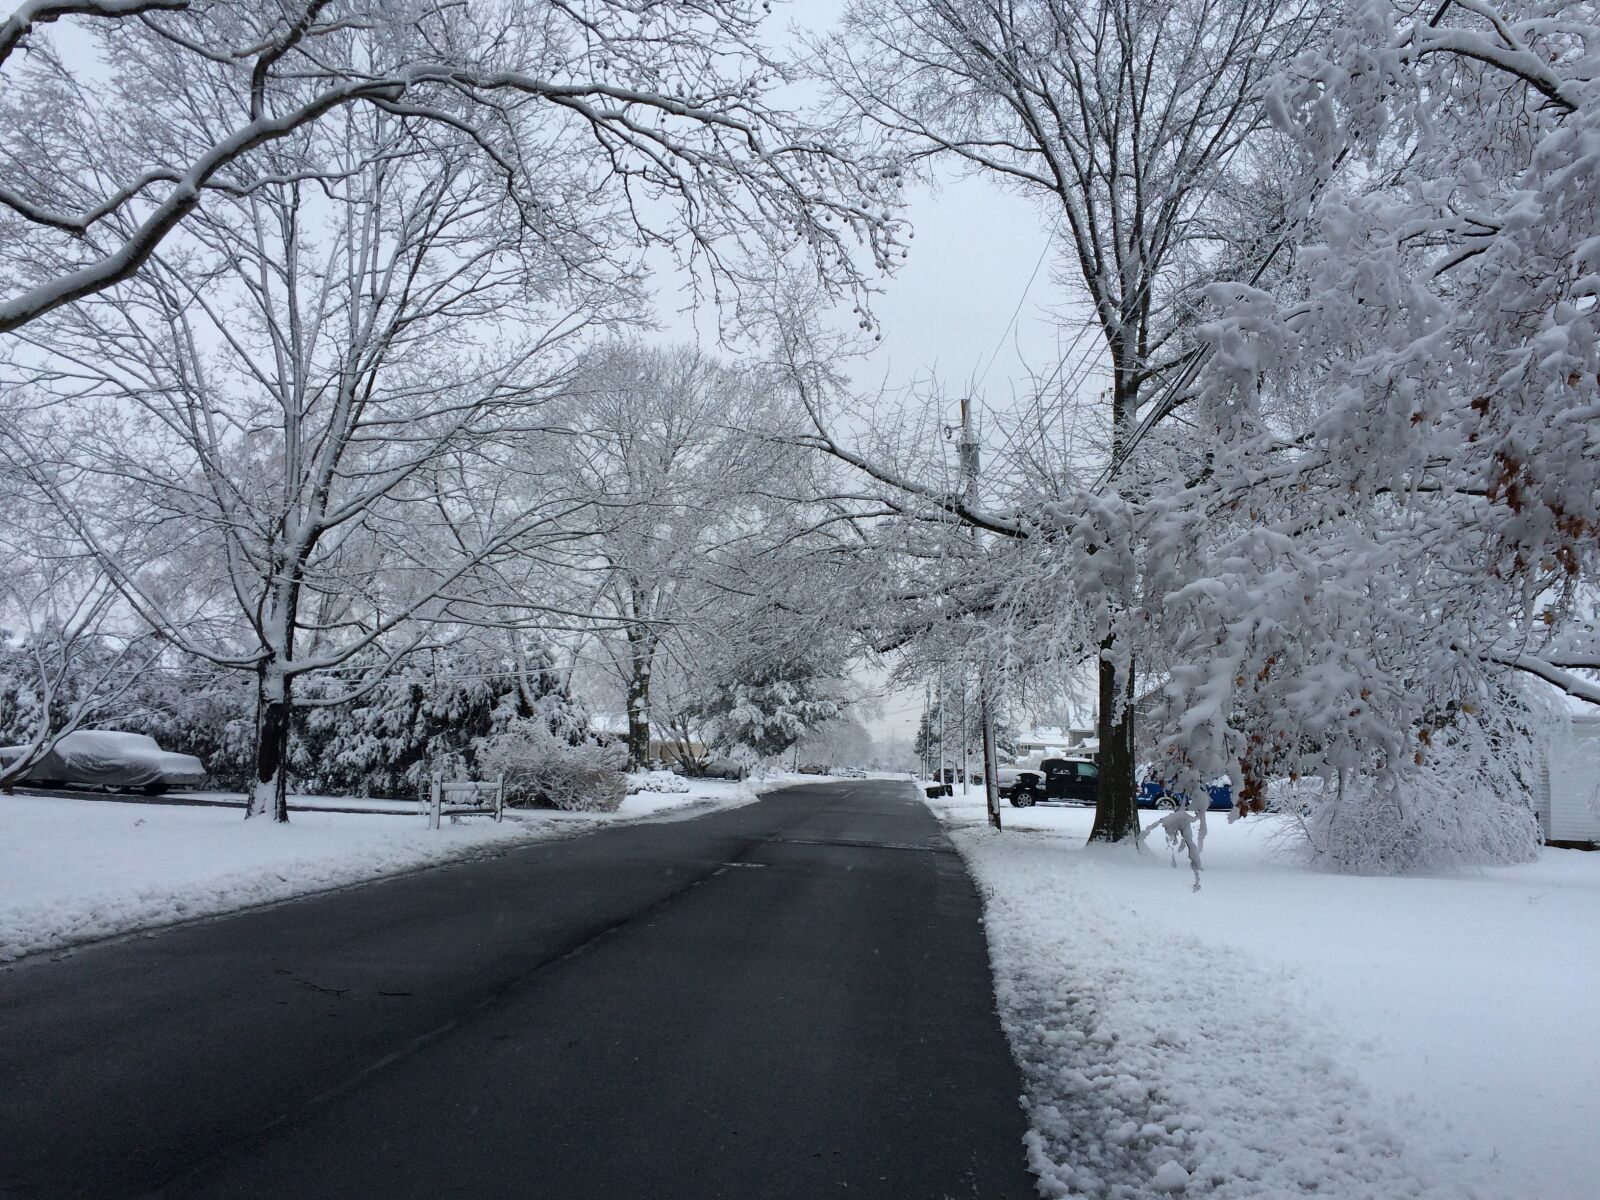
column 1567, row 797
column 611, row 728
column 1055, row 742
column 606, row 726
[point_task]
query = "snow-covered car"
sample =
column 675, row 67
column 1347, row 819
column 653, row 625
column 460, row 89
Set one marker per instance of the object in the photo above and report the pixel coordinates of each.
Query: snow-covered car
column 1007, row 774
column 110, row 758
column 721, row 768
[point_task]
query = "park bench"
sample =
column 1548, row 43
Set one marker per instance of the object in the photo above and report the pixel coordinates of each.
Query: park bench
column 465, row 798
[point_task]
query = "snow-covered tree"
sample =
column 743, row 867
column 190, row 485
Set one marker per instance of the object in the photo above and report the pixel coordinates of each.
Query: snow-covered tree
column 274, row 443
column 1129, row 124
column 1400, row 503
column 427, row 714
column 760, row 708
column 1371, row 492
column 283, row 431
column 670, row 101
column 673, row 448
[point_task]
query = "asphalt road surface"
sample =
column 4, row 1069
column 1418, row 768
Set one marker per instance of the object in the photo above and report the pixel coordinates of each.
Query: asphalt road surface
column 786, row 1000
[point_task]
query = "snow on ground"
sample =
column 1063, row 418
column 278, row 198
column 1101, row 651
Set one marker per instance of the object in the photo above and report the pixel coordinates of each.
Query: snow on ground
column 76, row 870
column 1286, row 1032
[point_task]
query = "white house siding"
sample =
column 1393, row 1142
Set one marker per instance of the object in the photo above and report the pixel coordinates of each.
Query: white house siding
column 1569, row 809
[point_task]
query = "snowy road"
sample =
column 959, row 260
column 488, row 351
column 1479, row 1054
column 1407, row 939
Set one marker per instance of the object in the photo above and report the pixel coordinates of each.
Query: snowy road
column 789, row 999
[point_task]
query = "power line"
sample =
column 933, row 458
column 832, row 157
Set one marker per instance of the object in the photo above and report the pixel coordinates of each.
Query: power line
column 1021, row 300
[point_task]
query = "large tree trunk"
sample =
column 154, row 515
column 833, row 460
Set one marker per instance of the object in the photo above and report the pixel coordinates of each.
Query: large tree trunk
column 1116, row 815
column 269, row 788
column 639, row 716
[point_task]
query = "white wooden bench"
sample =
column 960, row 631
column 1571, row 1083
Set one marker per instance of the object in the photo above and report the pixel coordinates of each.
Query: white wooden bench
column 462, row 798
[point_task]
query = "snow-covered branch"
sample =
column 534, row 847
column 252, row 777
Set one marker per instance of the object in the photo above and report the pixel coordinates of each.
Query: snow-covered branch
column 745, row 175
column 1576, row 686
column 34, row 13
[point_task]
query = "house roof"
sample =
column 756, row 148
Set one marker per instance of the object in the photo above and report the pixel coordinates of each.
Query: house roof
column 1054, row 735
column 608, row 722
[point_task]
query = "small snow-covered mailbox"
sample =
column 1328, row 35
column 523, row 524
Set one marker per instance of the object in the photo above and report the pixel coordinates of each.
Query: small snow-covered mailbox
column 1568, row 799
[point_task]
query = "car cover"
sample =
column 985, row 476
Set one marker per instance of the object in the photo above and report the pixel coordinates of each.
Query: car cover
column 101, row 756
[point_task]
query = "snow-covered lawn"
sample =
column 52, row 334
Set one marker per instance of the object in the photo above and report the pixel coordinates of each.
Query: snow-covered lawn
column 76, row 870
column 1286, row 1032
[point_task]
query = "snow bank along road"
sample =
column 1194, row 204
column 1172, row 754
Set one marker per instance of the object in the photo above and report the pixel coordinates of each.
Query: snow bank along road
column 789, row 999
column 78, row 869
column 1287, row 1032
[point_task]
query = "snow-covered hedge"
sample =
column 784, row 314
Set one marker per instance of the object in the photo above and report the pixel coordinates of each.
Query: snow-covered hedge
column 656, row 781
column 542, row 769
column 1430, row 818
column 1464, row 800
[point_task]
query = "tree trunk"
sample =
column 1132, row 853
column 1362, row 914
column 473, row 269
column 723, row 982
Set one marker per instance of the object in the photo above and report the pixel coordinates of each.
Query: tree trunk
column 1116, row 816
column 269, row 791
column 639, row 718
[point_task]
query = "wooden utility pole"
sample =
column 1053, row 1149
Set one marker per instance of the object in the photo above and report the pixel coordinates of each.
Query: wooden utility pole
column 965, row 740
column 969, row 475
column 926, row 729
column 991, row 779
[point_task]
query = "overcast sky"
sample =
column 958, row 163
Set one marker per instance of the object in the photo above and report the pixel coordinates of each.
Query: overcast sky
column 947, row 310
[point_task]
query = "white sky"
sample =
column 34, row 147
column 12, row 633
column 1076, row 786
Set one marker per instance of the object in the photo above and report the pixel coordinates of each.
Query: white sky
column 948, row 309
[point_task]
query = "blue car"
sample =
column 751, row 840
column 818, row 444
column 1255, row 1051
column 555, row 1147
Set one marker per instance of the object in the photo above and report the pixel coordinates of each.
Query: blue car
column 1159, row 795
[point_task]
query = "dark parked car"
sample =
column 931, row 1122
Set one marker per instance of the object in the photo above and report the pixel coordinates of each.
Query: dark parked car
column 112, row 759
column 1057, row 781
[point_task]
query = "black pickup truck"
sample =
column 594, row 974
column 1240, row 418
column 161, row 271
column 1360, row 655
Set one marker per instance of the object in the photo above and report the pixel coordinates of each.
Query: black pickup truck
column 1055, row 781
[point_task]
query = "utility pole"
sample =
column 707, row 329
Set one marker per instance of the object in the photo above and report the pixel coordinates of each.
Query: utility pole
column 969, row 475
column 938, row 769
column 965, row 740
column 928, row 730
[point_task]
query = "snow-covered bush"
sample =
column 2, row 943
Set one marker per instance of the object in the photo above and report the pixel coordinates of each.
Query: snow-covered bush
column 656, row 781
column 1388, row 826
column 544, row 770
column 1467, row 802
